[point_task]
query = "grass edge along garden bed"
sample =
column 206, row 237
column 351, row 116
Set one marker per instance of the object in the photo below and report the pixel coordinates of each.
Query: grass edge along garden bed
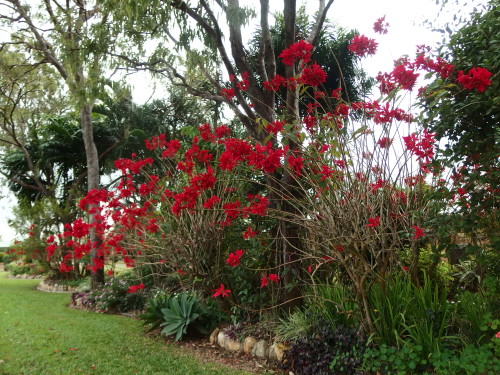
column 40, row 335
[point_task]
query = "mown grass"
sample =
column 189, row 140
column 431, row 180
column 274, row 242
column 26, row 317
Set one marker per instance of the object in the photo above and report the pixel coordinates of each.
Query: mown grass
column 39, row 335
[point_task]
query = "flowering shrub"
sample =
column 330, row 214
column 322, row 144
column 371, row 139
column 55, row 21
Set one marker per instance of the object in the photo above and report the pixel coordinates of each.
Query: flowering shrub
column 326, row 195
column 116, row 295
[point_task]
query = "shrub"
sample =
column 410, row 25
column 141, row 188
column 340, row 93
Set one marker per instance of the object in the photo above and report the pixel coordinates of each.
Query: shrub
column 153, row 316
column 114, row 296
column 17, row 268
column 187, row 310
column 326, row 350
column 471, row 361
column 391, row 360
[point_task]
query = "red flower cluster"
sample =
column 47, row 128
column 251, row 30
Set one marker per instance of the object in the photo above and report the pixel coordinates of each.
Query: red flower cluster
column 229, row 94
column 313, row 75
column 373, row 222
column 422, row 147
column 380, row 26
column 233, row 258
column 221, row 291
column 135, row 288
column 275, row 83
column 419, row 232
column 362, row 46
column 249, row 233
column 275, row 127
column 264, row 281
column 301, row 50
column 476, row 78
column 384, row 142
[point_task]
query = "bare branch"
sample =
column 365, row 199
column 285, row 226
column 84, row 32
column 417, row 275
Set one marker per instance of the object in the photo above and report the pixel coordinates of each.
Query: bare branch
column 320, row 19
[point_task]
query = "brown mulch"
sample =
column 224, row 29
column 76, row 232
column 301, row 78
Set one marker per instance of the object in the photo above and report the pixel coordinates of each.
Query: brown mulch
column 206, row 352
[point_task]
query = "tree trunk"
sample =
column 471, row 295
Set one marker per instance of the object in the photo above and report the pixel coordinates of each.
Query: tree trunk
column 92, row 183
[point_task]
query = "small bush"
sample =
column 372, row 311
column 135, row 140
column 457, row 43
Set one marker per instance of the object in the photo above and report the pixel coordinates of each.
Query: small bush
column 188, row 310
column 471, row 361
column 113, row 296
column 326, row 350
column 153, row 316
column 17, row 268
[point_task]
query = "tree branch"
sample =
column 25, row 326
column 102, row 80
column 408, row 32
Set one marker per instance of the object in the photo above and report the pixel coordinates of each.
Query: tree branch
column 320, row 19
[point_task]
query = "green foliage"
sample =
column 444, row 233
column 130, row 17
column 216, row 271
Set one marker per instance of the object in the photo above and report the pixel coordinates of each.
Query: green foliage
column 466, row 122
column 153, row 315
column 410, row 315
column 40, row 335
column 472, row 315
column 18, row 268
column 428, row 318
column 326, row 350
column 335, row 303
column 295, row 325
column 390, row 306
column 471, row 361
column 113, row 296
column 187, row 310
column 391, row 360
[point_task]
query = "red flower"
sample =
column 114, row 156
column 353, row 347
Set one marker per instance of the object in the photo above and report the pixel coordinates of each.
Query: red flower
column 384, row 142
column 211, row 202
column 374, row 222
column 228, row 93
column 336, row 94
column 406, row 78
column 221, row 291
column 233, row 259
column 249, row 233
column 221, row 131
column 275, row 83
column 380, row 26
column 275, row 127
column 135, row 288
column 264, row 282
column 477, row 78
column 419, row 232
column 297, row 164
column 361, row 45
column 297, row 51
column 313, row 75
column 273, row 277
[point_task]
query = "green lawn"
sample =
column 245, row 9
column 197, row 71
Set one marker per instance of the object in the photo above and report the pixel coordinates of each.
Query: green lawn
column 39, row 335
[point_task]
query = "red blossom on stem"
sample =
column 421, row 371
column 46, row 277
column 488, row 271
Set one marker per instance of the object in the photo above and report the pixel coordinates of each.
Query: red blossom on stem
column 476, row 78
column 380, row 26
column 233, row 258
column 313, row 75
column 362, row 46
column 135, row 288
column 373, row 222
column 249, row 233
column 221, row 291
column 419, row 232
column 275, row 83
column 297, row 51
column 229, row 94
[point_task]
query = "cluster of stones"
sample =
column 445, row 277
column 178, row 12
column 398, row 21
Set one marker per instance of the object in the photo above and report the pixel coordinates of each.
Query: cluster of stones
column 52, row 287
column 250, row 345
column 25, row 276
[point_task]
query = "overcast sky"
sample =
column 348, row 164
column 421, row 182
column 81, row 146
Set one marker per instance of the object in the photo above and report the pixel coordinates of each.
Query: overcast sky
column 406, row 31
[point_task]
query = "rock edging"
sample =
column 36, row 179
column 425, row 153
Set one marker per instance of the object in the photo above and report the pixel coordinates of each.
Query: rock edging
column 54, row 287
column 250, row 345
